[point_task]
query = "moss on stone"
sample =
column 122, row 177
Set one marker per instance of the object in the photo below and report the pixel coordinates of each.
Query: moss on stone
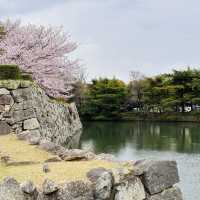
column 14, row 84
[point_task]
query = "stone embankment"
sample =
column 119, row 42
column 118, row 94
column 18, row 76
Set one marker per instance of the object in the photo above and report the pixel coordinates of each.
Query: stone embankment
column 34, row 117
column 24, row 107
column 141, row 180
column 151, row 180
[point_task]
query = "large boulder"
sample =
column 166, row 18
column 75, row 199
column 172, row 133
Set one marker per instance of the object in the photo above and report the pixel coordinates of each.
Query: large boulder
column 77, row 154
column 21, row 115
column 130, row 189
column 102, row 182
column 47, row 145
column 31, row 124
column 2, row 108
column 29, row 190
column 173, row 193
column 105, row 156
column 49, row 187
column 77, row 190
column 4, row 91
column 157, row 175
column 4, row 128
column 28, row 135
column 120, row 174
column 6, row 100
column 22, row 94
column 28, row 187
column 10, row 190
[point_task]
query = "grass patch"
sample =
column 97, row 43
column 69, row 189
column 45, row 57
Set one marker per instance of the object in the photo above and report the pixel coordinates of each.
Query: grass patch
column 20, row 150
column 60, row 171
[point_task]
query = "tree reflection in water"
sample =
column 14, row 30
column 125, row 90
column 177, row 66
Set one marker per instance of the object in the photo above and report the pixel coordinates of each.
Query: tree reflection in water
column 111, row 137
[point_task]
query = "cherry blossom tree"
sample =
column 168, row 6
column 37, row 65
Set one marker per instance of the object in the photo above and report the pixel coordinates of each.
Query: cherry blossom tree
column 42, row 52
column 2, row 34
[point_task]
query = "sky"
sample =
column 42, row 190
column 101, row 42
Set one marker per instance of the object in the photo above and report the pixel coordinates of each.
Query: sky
column 119, row 36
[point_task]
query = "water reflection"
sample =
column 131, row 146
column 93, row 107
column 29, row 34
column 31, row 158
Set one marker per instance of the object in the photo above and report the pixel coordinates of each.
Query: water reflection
column 113, row 136
column 145, row 140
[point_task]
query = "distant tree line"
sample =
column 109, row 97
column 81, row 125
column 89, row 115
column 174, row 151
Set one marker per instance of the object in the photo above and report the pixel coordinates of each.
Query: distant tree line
column 175, row 92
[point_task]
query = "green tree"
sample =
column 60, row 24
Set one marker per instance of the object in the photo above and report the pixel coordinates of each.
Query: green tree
column 105, row 99
column 173, row 92
column 182, row 82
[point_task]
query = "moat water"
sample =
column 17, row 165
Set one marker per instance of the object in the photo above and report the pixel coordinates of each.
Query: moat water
column 139, row 140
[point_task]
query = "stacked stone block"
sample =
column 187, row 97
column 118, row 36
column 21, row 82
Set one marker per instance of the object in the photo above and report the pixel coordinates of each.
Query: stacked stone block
column 24, row 106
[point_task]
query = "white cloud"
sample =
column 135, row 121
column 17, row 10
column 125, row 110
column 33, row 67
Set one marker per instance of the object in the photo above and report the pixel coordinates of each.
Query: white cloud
column 117, row 36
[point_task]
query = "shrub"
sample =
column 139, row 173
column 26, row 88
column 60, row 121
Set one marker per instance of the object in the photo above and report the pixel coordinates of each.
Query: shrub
column 9, row 72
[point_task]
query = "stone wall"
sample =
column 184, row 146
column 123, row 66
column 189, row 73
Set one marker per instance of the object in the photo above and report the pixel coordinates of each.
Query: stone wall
column 149, row 180
column 26, row 110
column 24, row 106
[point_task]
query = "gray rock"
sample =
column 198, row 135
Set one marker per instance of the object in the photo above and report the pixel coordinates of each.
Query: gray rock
column 131, row 189
column 42, row 196
column 105, row 156
column 49, row 187
column 103, row 186
column 31, row 124
column 7, row 107
column 21, row 115
column 77, row 154
column 120, row 174
column 32, row 136
column 47, row 146
column 34, row 133
column 34, row 140
column 24, row 135
column 21, row 95
column 4, row 128
column 173, row 193
column 4, row 91
column 95, row 173
column 2, row 108
column 24, row 105
column 77, row 190
column 158, row 175
column 10, row 190
column 6, row 100
column 102, row 180
column 45, row 168
column 28, row 187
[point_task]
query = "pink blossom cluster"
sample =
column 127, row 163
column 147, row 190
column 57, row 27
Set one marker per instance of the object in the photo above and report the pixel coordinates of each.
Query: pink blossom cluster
column 42, row 52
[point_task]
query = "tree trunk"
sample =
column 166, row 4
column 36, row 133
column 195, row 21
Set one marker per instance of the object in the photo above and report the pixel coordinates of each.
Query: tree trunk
column 183, row 107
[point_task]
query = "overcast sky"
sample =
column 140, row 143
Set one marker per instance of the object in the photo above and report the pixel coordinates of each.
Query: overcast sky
column 117, row 36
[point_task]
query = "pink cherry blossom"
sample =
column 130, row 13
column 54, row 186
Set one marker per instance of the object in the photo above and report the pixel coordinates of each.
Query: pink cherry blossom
column 42, row 52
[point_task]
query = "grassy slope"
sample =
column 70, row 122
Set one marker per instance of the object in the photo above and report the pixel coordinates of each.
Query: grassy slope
column 60, row 171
